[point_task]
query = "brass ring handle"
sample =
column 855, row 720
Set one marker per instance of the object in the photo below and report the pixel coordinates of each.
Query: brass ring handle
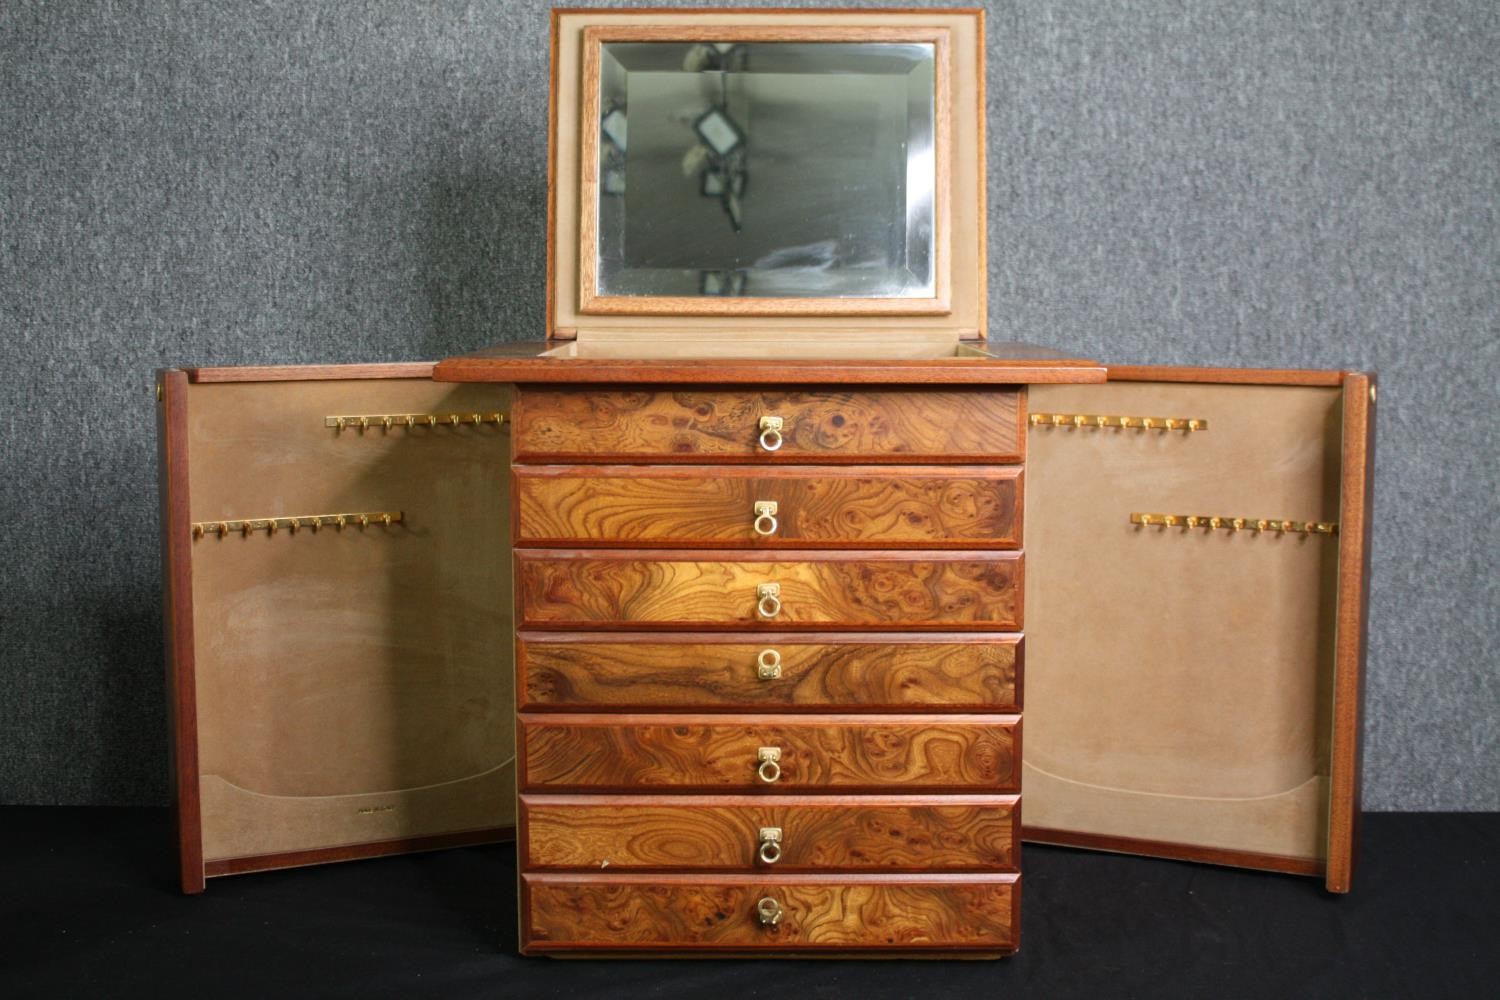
column 770, row 845
column 770, row 433
column 768, row 600
column 770, row 767
column 768, row 665
column 769, row 911
column 765, row 517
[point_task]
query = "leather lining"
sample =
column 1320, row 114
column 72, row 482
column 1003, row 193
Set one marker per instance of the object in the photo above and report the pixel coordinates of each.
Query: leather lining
column 1179, row 681
column 355, row 685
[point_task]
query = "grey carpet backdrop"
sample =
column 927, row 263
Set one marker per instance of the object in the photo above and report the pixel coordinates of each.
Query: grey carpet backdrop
column 1209, row 182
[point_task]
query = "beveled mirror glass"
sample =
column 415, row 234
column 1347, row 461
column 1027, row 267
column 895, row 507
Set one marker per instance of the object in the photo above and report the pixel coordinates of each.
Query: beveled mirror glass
column 763, row 170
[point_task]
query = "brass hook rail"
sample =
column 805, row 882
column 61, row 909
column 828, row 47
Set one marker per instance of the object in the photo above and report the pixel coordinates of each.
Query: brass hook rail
column 1095, row 421
column 311, row 522
column 385, row 421
column 1251, row 524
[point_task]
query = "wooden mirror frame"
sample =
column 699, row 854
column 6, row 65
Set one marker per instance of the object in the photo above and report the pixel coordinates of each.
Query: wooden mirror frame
column 957, row 305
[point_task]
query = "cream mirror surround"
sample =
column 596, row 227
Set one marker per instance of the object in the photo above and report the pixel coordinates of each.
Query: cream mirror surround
column 956, row 308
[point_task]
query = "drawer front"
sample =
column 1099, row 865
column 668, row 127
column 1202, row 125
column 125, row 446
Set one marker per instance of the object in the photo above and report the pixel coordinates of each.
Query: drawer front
column 656, row 671
column 929, row 590
column 652, row 506
column 684, row 753
column 686, row 425
column 812, row 833
column 975, row 913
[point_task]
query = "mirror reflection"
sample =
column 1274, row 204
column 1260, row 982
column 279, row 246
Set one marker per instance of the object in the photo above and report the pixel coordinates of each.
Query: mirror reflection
column 766, row 169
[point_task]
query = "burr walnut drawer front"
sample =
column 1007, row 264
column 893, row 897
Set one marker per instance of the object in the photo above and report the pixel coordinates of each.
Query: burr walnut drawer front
column 664, row 506
column 656, row 671
column 781, row 833
column 666, row 424
column 685, row 753
column 767, row 913
column 797, row 590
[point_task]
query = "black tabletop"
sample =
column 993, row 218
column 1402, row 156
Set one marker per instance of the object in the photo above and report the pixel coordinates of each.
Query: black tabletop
column 92, row 911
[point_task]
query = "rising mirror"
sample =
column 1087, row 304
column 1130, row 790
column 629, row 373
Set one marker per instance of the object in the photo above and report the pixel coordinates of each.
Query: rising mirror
column 762, row 170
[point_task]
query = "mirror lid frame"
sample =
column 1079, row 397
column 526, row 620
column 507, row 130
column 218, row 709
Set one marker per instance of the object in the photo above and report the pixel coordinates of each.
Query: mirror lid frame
column 958, row 307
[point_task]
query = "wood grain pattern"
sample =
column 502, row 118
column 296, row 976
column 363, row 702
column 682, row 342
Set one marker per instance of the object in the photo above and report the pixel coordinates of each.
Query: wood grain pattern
column 684, row 425
column 685, row 753
column 1356, row 502
column 656, row 671
column 845, row 913
column 927, row 590
column 177, row 620
column 816, row 507
column 850, row 833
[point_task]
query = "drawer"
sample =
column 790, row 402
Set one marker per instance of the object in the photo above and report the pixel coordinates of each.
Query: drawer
column 848, row 913
column 655, row 506
column 981, row 425
column 812, row 832
column 775, row 671
column 685, row 753
column 936, row 590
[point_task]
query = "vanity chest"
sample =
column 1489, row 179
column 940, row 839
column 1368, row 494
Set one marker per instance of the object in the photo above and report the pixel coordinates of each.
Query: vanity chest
column 714, row 600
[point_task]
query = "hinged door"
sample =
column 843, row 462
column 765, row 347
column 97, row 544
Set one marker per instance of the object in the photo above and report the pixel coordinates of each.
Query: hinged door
column 338, row 605
column 1196, row 547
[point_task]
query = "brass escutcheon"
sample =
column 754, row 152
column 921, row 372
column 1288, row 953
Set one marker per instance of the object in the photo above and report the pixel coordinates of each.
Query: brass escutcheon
column 769, row 911
column 768, row 665
column 770, row 845
column 768, row 600
column 765, row 517
column 770, row 433
column 769, row 767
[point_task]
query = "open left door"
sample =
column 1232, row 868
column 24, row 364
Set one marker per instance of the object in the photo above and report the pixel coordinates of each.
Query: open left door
column 1197, row 548
column 337, row 595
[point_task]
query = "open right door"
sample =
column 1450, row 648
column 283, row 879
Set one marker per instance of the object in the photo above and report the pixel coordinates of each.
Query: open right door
column 1197, row 545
